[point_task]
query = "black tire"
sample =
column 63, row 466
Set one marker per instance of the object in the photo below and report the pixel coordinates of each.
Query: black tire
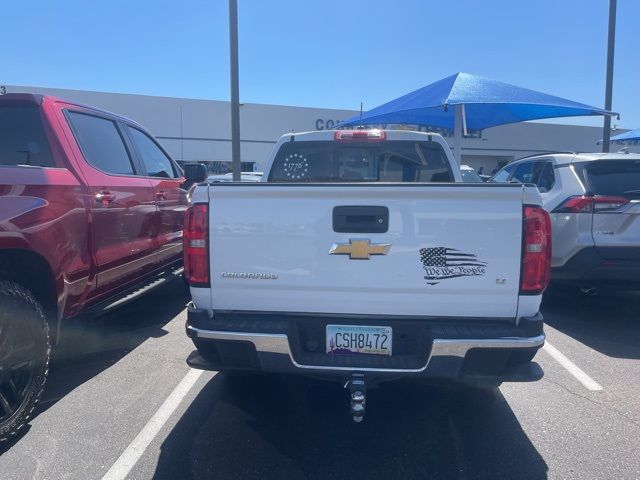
column 25, row 350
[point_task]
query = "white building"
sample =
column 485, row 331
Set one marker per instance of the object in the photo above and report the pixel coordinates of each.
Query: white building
column 199, row 130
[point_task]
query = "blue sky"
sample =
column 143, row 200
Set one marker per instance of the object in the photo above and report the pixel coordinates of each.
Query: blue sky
column 322, row 53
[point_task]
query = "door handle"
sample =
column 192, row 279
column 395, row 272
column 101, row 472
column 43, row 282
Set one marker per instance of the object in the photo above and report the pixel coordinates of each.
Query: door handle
column 105, row 197
column 161, row 195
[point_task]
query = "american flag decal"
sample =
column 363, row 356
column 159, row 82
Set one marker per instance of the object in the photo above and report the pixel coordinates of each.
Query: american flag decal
column 440, row 263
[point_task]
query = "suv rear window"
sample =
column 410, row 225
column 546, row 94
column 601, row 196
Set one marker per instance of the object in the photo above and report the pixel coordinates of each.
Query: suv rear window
column 22, row 137
column 388, row 161
column 612, row 177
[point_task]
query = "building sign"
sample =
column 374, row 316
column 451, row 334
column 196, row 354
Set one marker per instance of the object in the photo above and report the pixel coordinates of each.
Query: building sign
column 448, row 132
column 323, row 124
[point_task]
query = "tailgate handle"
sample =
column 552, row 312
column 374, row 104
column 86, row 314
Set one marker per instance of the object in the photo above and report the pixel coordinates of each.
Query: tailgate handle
column 360, row 219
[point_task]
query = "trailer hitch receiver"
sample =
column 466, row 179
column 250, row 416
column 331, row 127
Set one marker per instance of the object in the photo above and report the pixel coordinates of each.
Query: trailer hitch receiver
column 357, row 395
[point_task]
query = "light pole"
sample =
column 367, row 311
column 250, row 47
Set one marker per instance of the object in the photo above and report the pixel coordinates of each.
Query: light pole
column 606, row 135
column 235, row 90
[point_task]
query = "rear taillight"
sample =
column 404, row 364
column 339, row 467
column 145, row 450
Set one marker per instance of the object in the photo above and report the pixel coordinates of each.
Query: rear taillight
column 359, row 135
column 590, row 204
column 196, row 257
column 536, row 251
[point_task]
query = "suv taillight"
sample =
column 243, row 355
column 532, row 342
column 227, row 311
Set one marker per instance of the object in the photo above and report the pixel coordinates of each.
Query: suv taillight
column 357, row 135
column 536, row 251
column 196, row 255
column 590, row 204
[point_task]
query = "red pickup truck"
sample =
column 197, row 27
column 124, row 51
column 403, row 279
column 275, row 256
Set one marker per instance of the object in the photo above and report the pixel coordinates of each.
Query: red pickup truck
column 91, row 210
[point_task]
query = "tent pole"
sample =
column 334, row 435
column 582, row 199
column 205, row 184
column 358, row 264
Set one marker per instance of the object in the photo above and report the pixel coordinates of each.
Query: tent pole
column 464, row 121
column 457, row 133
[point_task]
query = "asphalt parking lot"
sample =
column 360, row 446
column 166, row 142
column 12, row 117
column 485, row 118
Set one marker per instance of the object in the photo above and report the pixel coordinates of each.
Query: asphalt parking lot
column 121, row 402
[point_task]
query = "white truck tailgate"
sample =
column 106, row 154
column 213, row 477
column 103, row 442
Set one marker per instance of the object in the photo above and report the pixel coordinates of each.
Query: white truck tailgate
column 450, row 249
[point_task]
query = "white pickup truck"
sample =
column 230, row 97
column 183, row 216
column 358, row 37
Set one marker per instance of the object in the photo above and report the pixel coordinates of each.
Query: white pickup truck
column 361, row 256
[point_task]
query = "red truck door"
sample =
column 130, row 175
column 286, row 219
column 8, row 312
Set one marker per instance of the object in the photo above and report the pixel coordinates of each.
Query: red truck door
column 124, row 212
column 171, row 199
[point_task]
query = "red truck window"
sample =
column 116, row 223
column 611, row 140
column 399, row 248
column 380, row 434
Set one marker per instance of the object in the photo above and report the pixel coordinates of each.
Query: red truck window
column 22, row 137
column 101, row 143
column 154, row 159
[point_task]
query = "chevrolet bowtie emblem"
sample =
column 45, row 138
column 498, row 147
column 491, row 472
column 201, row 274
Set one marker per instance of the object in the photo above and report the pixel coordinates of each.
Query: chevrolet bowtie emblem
column 359, row 249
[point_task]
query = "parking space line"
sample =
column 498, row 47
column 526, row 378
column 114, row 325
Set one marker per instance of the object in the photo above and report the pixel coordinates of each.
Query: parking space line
column 572, row 368
column 121, row 468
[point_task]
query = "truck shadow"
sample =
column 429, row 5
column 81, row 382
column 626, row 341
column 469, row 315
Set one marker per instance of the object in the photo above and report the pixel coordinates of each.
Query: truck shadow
column 608, row 322
column 279, row 427
column 89, row 345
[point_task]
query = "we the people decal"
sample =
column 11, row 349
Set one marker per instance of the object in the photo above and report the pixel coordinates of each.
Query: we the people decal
column 441, row 263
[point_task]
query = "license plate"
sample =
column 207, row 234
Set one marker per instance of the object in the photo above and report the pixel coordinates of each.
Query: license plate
column 358, row 339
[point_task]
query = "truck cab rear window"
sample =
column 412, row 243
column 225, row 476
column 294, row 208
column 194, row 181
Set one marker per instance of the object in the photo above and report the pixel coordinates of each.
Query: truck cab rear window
column 612, row 177
column 390, row 161
column 22, row 137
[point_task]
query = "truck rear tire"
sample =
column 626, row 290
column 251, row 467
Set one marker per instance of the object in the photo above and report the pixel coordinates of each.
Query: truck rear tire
column 25, row 350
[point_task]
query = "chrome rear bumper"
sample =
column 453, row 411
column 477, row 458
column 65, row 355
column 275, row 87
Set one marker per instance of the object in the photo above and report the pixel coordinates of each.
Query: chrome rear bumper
column 451, row 350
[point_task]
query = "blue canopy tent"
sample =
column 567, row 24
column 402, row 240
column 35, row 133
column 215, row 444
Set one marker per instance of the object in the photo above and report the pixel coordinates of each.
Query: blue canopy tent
column 628, row 136
column 464, row 101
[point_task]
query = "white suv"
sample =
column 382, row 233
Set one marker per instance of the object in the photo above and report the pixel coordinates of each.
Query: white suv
column 594, row 202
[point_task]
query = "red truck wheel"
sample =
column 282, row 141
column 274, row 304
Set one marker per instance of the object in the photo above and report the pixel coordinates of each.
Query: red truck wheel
column 24, row 356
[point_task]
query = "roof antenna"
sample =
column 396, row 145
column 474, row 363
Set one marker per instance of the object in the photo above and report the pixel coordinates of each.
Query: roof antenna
column 360, row 127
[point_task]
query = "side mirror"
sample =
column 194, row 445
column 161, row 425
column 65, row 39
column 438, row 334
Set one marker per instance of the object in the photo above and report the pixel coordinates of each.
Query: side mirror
column 194, row 173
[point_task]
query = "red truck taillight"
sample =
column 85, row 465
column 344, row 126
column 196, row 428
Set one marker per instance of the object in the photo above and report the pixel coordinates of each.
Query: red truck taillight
column 196, row 253
column 536, row 251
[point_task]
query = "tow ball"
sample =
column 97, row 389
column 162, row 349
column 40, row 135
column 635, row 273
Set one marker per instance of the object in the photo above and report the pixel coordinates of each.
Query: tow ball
column 357, row 395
